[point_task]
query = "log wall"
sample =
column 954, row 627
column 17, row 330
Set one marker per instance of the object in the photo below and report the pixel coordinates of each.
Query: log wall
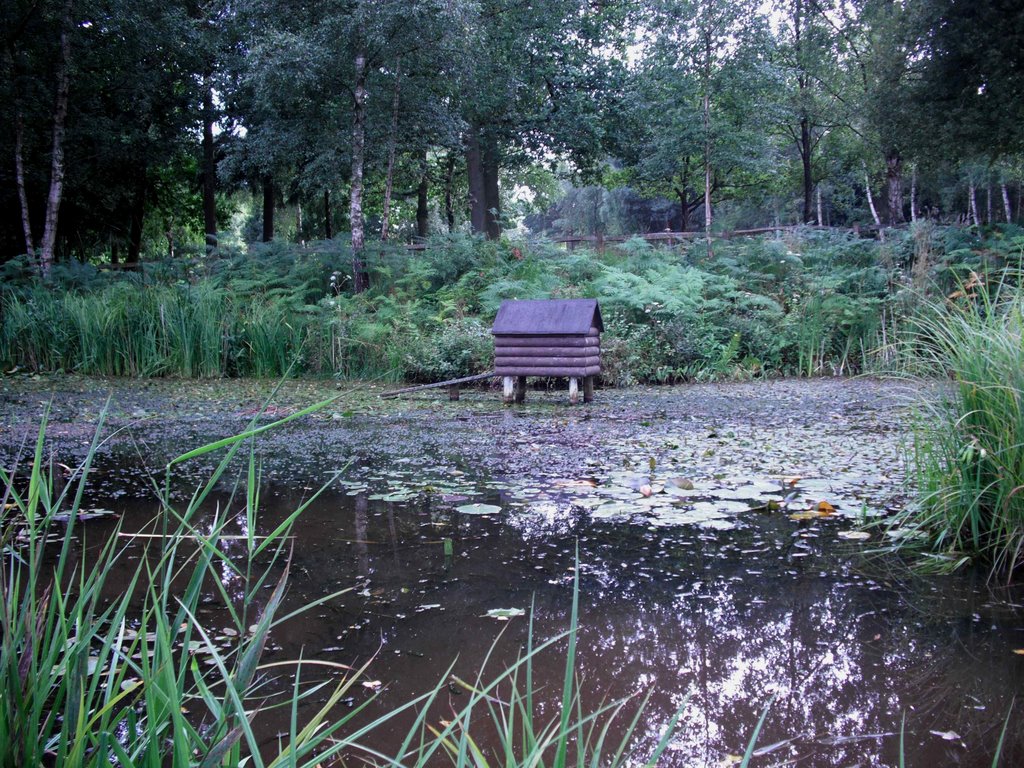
column 534, row 355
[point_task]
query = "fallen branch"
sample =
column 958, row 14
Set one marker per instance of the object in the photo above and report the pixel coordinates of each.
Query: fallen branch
column 463, row 380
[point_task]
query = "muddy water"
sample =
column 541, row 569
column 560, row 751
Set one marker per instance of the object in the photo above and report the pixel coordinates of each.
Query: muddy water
column 716, row 570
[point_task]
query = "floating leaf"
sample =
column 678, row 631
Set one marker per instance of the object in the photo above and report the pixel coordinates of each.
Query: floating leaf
column 373, row 685
column 854, row 535
column 478, row 509
column 1019, row 651
column 504, row 614
column 825, row 508
column 947, row 735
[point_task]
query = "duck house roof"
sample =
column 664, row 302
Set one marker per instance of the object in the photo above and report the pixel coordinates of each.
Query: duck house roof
column 548, row 317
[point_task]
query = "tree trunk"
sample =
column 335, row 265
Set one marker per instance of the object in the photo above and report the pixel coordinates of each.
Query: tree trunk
column 707, row 168
column 806, row 147
column 449, row 179
column 475, row 178
column 805, row 161
column 894, row 186
column 684, row 209
column 115, row 253
column 972, row 203
column 209, row 168
column 492, row 200
column 136, row 219
column 422, row 211
column 60, row 114
column 328, row 230
column 1006, row 203
column 821, row 218
column 988, row 204
column 298, row 221
column 268, row 208
column 913, row 194
column 392, row 141
column 360, row 277
column 19, row 172
column 871, row 200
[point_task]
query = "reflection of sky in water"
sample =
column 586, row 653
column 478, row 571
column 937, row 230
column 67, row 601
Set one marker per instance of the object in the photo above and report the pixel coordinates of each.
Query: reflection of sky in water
column 739, row 607
column 717, row 623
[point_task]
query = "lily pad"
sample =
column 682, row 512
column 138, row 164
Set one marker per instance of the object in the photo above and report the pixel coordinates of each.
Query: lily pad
column 478, row 509
column 854, row 535
column 504, row 614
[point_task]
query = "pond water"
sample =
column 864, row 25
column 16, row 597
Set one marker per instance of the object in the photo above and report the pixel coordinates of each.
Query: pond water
column 723, row 568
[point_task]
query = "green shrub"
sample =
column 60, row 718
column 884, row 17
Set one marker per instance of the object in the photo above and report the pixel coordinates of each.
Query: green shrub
column 968, row 454
column 461, row 347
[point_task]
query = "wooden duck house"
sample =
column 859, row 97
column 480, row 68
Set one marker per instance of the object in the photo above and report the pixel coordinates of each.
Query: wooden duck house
column 548, row 337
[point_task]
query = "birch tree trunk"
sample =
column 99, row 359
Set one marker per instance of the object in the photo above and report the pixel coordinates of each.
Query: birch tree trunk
column 972, row 202
column 871, row 200
column 60, row 114
column 209, row 168
column 385, row 218
column 360, row 278
column 820, row 217
column 1007, row 210
column 19, row 173
column 988, row 204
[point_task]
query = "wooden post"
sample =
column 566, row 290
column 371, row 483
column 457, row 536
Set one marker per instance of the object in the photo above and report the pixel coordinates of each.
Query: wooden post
column 588, row 389
column 574, row 390
column 507, row 389
column 453, row 391
column 520, row 394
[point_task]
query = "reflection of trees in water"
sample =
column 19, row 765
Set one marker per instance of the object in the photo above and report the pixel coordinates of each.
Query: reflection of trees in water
column 731, row 617
column 841, row 653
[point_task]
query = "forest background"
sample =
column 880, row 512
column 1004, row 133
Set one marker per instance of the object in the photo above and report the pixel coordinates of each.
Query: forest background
column 232, row 188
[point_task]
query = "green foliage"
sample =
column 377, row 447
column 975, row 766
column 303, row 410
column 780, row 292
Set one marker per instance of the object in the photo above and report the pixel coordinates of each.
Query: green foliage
column 969, row 449
column 461, row 347
column 96, row 673
column 814, row 303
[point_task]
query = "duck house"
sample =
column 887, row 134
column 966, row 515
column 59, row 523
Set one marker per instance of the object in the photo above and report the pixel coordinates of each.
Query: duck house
column 548, row 337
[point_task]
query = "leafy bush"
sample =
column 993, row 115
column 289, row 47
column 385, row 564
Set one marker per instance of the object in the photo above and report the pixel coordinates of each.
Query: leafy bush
column 461, row 347
column 809, row 303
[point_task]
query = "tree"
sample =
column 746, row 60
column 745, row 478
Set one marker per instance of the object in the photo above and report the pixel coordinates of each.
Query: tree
column 701, row 92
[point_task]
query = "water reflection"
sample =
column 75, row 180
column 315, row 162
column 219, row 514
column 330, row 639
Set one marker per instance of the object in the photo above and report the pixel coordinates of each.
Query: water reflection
column 718, row 624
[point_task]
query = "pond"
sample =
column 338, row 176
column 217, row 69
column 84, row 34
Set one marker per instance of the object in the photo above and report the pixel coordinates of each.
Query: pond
column 726, row 562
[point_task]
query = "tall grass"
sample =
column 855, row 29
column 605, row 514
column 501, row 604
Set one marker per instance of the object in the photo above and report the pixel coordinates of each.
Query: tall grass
column 968, row 448
column 98, row 673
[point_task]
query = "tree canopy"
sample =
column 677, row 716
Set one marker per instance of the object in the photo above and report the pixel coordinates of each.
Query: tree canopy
column 135, row 128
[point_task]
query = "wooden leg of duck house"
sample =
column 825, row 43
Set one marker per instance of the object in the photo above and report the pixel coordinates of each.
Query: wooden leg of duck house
column 453, row 391
column 574, row 390
column 588, row 389
column 507, row 389
column 520, row 389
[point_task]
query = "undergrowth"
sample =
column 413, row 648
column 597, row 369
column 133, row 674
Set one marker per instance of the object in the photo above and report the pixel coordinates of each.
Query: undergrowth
column 968, row 447
column 812, row 303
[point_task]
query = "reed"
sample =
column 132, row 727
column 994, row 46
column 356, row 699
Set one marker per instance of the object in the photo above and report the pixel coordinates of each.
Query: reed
column 99, row 674
column 968, row 447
